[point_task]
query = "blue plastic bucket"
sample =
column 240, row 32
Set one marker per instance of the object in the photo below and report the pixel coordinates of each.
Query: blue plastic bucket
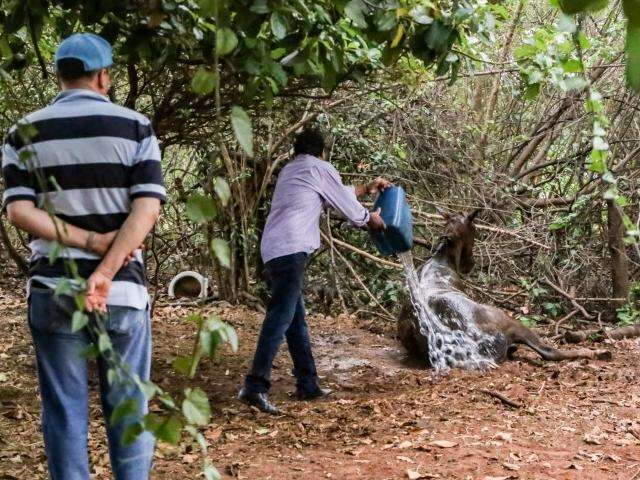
column 396, row 213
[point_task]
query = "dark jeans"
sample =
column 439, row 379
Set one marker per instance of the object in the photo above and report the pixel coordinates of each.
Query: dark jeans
column 285, row 317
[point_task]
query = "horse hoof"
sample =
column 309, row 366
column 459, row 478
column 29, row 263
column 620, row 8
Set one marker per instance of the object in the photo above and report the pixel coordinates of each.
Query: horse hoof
column 603, row 355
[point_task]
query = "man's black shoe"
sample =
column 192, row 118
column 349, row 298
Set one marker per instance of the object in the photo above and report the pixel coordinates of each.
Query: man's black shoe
column 258, row 400
column 313, row 395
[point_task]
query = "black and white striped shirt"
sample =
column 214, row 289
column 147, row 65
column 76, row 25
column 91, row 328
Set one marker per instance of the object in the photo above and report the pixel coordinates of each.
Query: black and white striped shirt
column 95, row 157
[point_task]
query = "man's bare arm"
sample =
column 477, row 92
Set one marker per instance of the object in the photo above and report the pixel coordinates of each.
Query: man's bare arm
column 144, row 214
column 24, row 215
column 374, row 186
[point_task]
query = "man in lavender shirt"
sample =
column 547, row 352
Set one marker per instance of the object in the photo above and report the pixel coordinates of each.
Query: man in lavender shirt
column 305, row 186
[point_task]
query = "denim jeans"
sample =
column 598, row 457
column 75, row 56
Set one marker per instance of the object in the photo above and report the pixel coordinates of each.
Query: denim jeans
column 285, row 318
column 62, row 374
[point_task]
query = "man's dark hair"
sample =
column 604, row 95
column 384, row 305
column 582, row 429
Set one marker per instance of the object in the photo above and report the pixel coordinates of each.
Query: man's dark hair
column 310, row 141
column 72, row 69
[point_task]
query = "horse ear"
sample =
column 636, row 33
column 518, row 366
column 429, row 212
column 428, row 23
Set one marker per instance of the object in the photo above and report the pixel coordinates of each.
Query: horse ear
column 472, row 216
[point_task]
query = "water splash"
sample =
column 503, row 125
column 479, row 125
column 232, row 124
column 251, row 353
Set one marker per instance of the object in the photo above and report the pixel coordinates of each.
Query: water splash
column 454, row 342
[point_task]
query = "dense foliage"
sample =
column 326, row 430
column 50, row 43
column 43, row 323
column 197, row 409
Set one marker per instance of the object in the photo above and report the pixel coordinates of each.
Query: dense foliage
column 521, row 108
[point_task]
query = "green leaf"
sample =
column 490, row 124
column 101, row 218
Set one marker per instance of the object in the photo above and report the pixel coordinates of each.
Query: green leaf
column 623, row 201
column 131, row 433
column 79, row 320
column 632, row 11
column 583, row 41
column 226, row 331
column 572, row 7
column 124, row 409
column 195, row 407
column 168, row 429
column 572, row 66
column 197, row 436
column 182, row 365
column 278, row 25
column 531, row 91
column 210, row 472
column 220, row 249
column 207, row 7
column 104, row 343
column 438, row 36
column 203, row 82
column 632, row 49
column 91, row 352
column 575, row 83
column 55, row 252
column 420, row 14
column 242, row 129
column 200, row 208
column 64, row 287
column 260, row 7
column 148, row 388
column 566, row 24
column 215, row 332
column 355, row 10
column 597, row 161
column 222, row 189
column 226, row 41
column 385, row 21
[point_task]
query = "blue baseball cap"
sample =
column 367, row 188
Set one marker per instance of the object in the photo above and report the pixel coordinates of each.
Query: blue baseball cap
column 92, row 50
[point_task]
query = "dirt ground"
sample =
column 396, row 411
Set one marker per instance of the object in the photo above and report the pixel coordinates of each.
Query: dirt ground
column 388, row 419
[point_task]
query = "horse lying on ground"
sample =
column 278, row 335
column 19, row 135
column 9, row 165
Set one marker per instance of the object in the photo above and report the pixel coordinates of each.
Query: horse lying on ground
column 447, row 300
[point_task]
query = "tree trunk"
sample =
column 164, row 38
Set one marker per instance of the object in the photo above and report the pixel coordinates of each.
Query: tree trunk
column 15, row 256
column 619, row 260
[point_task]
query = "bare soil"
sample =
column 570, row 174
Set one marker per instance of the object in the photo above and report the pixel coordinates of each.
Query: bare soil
column 388, row 419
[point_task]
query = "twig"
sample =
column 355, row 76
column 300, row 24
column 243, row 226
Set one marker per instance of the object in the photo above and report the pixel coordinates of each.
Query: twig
column 564, row 319
column 357, row 277
column 348, row 246
column 502, row 398
column 575, row 304
column 343, row 304
column 489, row 228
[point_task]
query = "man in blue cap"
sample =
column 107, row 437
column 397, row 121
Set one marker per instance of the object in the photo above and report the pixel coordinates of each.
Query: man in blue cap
column 86, row 174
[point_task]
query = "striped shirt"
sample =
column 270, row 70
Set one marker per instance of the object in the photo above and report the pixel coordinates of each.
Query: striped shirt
column 86, row 160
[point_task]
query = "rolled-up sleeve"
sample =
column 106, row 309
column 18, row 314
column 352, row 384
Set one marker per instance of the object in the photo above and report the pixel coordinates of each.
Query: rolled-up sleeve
column 342, row 198
column 18, row 181
column 146, row 173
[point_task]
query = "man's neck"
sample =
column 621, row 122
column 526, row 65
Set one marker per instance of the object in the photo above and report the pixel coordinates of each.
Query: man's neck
column 82, row 86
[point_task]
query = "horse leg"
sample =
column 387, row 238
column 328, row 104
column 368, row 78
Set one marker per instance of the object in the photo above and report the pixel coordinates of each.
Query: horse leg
column 529, row 338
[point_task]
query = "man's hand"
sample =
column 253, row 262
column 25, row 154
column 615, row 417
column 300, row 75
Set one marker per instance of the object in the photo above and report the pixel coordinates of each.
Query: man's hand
column 99, row 243
column 375, row 221
column 380, row 184
column 98, row 286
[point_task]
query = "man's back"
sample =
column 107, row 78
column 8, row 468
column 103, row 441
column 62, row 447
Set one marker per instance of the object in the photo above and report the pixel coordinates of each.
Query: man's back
column 305, row 185
column 86, row 160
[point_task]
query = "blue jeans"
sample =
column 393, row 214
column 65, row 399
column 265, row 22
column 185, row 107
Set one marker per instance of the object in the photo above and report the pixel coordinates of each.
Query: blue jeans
column 285, row 318
column 62, row 373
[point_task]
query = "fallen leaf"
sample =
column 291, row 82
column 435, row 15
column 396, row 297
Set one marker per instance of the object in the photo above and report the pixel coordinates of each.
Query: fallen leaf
column 591, row 440
column 443, row 443
column 405, row 459
column 405, row 444
column 511, row 466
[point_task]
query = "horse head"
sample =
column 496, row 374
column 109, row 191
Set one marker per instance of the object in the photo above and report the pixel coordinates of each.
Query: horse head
column 457, row 241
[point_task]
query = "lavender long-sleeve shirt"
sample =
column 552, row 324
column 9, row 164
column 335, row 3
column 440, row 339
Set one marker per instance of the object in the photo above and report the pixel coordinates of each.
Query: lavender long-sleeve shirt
column 304, row 187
